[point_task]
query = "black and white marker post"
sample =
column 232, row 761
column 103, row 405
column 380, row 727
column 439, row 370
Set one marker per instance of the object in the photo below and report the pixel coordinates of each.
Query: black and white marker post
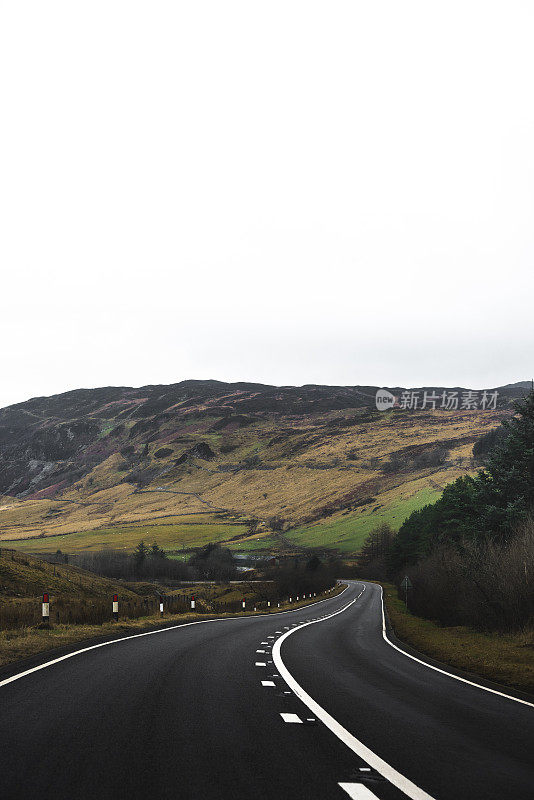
column 116, row 607
column 46, row 609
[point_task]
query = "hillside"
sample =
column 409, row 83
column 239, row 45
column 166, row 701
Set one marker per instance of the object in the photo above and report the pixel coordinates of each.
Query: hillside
column 193, row 462
column 22, row 575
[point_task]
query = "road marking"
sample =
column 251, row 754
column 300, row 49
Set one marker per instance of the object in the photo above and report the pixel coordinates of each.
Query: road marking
column 260, row 651
column 264, row 642
column 268, row 683
column 261, row 664
column 278, row 631
column 354, row 744
column 57, row 660
column 291, row 717
column 358, row 791
column 443, row 671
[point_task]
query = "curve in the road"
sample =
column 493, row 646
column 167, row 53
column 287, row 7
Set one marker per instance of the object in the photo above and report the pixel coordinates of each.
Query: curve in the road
column 358, row 747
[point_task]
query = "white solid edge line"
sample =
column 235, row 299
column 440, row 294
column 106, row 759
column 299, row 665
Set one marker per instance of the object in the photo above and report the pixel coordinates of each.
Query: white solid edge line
column 150, row 633
column 443, row 671
column 354, row 744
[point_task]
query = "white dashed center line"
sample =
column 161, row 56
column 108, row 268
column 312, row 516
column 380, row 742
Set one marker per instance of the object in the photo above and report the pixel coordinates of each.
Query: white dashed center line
column 268, row 683
column 260, row 651
column 261, row 664
column 358, row 791
column 291, row 718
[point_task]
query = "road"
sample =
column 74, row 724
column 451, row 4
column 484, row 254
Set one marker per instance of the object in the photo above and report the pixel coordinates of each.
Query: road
column 192, row 713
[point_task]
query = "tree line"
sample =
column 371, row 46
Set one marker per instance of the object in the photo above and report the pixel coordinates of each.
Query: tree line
column 212, row 562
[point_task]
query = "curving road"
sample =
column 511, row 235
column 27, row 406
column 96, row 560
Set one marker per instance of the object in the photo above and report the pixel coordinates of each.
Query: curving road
column 313, row 703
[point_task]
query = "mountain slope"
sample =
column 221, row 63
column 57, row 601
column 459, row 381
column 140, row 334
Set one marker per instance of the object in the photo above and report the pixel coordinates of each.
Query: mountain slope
column 215, row 453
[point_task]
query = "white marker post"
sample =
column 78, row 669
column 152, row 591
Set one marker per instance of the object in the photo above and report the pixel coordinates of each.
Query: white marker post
column 290, row 599
column 161, row 606
column 46, row 609
column 192, row 602
column 116, row 607
column 243, row 603
column 268, row 603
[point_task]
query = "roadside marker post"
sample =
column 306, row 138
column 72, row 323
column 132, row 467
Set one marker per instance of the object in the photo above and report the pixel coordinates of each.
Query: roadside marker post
column 192, row 602
column 406, row 585
column 243, row 604
column 290, row 600
column 116, row 607
column 46, row 609
column 161, row 606
column 268, row 603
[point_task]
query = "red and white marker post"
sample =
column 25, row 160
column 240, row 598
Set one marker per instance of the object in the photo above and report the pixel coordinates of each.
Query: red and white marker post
column 192, row 602
column 243, row 604
column 46, row 608
column 116, row 607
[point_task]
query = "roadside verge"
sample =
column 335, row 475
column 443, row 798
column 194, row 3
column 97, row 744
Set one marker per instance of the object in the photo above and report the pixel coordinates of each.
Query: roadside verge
column 506, row 659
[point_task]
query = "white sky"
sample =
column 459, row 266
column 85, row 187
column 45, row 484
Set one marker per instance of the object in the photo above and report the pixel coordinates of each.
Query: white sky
column 287, row 192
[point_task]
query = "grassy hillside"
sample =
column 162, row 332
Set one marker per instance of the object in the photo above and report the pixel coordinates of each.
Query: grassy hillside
column 183, row 466
column 22, row 575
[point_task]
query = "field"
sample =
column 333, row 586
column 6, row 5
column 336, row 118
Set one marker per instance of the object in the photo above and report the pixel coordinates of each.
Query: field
column 348, row 531
column 171, row 536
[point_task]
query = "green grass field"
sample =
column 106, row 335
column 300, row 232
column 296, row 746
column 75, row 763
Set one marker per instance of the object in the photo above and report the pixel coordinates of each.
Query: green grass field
column 168, row 535
column 348, row 532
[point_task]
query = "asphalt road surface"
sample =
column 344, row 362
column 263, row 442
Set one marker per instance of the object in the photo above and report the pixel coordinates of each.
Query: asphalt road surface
column 313, row 703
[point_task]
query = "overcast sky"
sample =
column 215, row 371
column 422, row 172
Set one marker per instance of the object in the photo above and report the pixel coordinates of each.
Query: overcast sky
column 286, row 192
